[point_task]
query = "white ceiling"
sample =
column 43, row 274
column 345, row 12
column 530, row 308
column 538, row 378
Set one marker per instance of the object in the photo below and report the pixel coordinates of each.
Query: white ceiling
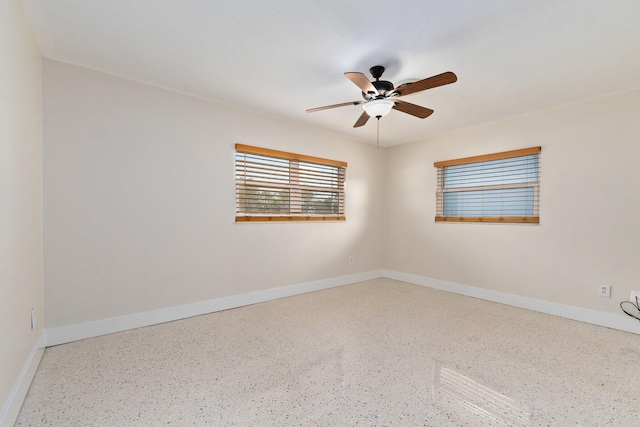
column 281, row 57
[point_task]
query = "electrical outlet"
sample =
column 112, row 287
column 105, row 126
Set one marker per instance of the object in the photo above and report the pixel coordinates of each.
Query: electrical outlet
column 634, row 295
column 604, row 291
column 352, row 260
column 33, row 318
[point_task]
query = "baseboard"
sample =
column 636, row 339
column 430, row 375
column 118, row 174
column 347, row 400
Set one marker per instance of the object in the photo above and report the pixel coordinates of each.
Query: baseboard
column 65, row 334
column 21, row 387
column 610, row 320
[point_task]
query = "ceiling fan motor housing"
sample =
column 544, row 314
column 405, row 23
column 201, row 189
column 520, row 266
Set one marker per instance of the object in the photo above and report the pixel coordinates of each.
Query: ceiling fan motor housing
column 384, row 87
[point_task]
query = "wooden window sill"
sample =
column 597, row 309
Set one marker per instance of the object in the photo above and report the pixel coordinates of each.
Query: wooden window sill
column 291, row 218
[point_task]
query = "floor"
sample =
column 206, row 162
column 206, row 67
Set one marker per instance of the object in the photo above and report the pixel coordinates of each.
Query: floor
column 376, row 353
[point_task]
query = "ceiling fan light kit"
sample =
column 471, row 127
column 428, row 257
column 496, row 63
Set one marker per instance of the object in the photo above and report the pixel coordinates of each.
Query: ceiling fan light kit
column 378, row 107
column 381, row 96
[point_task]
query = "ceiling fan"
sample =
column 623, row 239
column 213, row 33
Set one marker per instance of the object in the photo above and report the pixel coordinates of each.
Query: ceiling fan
column 380, row 96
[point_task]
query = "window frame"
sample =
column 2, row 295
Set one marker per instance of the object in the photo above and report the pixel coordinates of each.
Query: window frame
column 440, row 190
column 295, row 189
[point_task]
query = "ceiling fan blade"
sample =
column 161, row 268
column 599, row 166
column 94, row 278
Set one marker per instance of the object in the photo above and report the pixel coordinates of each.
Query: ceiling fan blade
column 362, row 82
column 326, row 107
column 413, row 109
column 362, row 120
column 428, row 83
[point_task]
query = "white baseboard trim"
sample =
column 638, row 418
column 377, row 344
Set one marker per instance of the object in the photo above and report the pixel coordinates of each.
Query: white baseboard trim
column 65, row 334
column 21, row 387
column 610, row 320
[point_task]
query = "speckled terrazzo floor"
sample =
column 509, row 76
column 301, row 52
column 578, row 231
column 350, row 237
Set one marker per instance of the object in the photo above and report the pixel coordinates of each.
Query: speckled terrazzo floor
column 374, row 353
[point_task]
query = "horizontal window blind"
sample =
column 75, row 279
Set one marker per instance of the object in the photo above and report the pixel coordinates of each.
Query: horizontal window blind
column 500, row 187
column 279, row 186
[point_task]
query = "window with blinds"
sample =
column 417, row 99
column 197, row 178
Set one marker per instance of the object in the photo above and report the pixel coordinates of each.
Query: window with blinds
column 279, row 186
column 500, row 187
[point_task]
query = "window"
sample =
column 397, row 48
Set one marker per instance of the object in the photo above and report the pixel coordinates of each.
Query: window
column 500, row 187
column 278, row 186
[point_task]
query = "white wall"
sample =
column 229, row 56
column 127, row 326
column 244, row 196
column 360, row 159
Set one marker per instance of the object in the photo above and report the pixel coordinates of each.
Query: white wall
column 139, row 201
column 139, row 204
column 589, row 231
column 20, row 202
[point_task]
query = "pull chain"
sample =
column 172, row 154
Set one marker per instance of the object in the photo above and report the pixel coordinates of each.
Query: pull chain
column 378, row 132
